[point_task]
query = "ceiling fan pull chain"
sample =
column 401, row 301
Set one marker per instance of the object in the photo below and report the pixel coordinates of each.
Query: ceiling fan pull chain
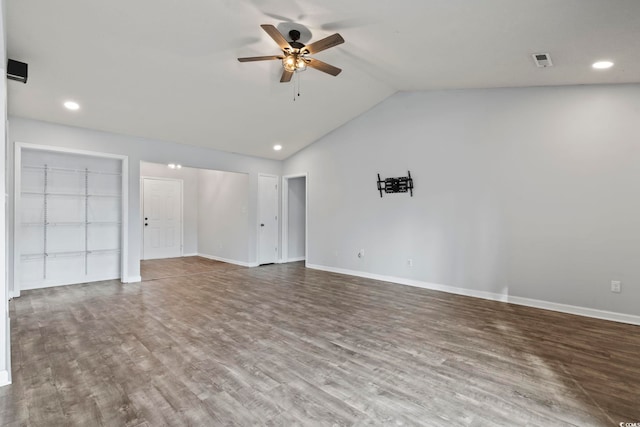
column 298, row 84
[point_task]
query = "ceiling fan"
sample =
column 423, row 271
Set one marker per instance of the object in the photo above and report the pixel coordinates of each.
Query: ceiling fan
column 295, row 55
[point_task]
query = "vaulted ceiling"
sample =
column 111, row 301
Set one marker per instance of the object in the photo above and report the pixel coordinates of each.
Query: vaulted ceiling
column 167, row 69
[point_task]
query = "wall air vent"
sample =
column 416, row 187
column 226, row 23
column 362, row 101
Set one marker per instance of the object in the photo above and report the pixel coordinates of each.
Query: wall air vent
column 542, row 60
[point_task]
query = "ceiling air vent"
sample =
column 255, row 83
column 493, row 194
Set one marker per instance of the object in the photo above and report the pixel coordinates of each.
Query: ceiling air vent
column 542, row 60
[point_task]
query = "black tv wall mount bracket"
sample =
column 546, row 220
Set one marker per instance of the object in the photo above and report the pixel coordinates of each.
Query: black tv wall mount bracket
column 402, row 184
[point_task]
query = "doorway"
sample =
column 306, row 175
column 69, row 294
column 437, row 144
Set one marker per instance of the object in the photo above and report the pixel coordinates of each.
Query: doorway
column 267, row 219
column 215, row 218
column 162, row 218
column 294, row 218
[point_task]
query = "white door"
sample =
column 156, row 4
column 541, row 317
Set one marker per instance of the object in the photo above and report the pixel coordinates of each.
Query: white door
column 268, row 219
column 162, row 214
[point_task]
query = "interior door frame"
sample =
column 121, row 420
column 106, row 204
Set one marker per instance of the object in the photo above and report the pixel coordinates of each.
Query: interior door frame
column 278, row 255
column 157, row 178
column 285, row 216
column 17, row 186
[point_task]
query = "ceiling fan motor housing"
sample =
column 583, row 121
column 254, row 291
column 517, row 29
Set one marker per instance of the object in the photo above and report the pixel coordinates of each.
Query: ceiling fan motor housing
column 295, row 36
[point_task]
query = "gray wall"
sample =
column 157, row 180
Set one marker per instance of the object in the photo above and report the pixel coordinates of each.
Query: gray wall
column 140, row 149
column 532, row 192
column 223, row 218
column 4, row 247
column 189, row 177
column 296, row 218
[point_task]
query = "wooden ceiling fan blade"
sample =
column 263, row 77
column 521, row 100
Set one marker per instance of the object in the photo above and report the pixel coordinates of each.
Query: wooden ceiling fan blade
column 324, row 44
column 286, row 76
column 323, row 66
column 260, row 58
column 276, row 36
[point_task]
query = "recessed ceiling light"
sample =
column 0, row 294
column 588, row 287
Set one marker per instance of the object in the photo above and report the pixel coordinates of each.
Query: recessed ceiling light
column 602, row 65
column 179, row 166
column 277, row 147
column 171, row 165
column 71, row 105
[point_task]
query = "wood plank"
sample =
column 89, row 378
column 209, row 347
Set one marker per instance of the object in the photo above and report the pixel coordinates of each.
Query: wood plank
column 207, row 343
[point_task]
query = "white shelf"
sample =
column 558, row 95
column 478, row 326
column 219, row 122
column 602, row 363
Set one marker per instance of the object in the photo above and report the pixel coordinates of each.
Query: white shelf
column 103, row 251
column 54, row 169
column 103, row 195
column 52, row 254
column 49, row 193
column 70, row 253
column 52, row 224
column 69, row 224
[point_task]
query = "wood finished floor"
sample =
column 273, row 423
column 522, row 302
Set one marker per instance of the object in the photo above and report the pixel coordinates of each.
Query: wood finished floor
column 165, row 268
column 283, row 345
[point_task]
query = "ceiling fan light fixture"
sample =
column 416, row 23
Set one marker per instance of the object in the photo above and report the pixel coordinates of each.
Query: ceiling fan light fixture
column 295, row 55
column 294, row 62
column 289, row 63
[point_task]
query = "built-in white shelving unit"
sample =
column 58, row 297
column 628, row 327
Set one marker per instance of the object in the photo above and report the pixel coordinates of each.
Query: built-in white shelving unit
column 70, row 218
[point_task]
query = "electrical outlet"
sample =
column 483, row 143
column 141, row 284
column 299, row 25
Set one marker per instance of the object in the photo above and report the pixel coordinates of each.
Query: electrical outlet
column 361, row 253
column 410, row 262
column 616, row 286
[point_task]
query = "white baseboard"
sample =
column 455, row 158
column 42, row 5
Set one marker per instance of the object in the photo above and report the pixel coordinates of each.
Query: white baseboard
column 4, row 378
column 502, row 297
column 574, row 309
column 193, row 254
column 16, row 293
column 56, row 283
column 281, row 261
column 5, row 375
column 229, row 261
column 414, row 283
column 296, row 259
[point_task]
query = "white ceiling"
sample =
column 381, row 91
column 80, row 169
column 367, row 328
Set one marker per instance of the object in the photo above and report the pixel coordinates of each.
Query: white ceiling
column 167, row 69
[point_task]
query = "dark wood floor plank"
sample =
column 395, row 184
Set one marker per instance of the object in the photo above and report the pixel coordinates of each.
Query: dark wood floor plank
column 206, row 343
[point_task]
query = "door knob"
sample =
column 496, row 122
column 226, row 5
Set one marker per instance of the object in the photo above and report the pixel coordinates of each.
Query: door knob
column 145, row 224
column 261, row 225
column 146, row 219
